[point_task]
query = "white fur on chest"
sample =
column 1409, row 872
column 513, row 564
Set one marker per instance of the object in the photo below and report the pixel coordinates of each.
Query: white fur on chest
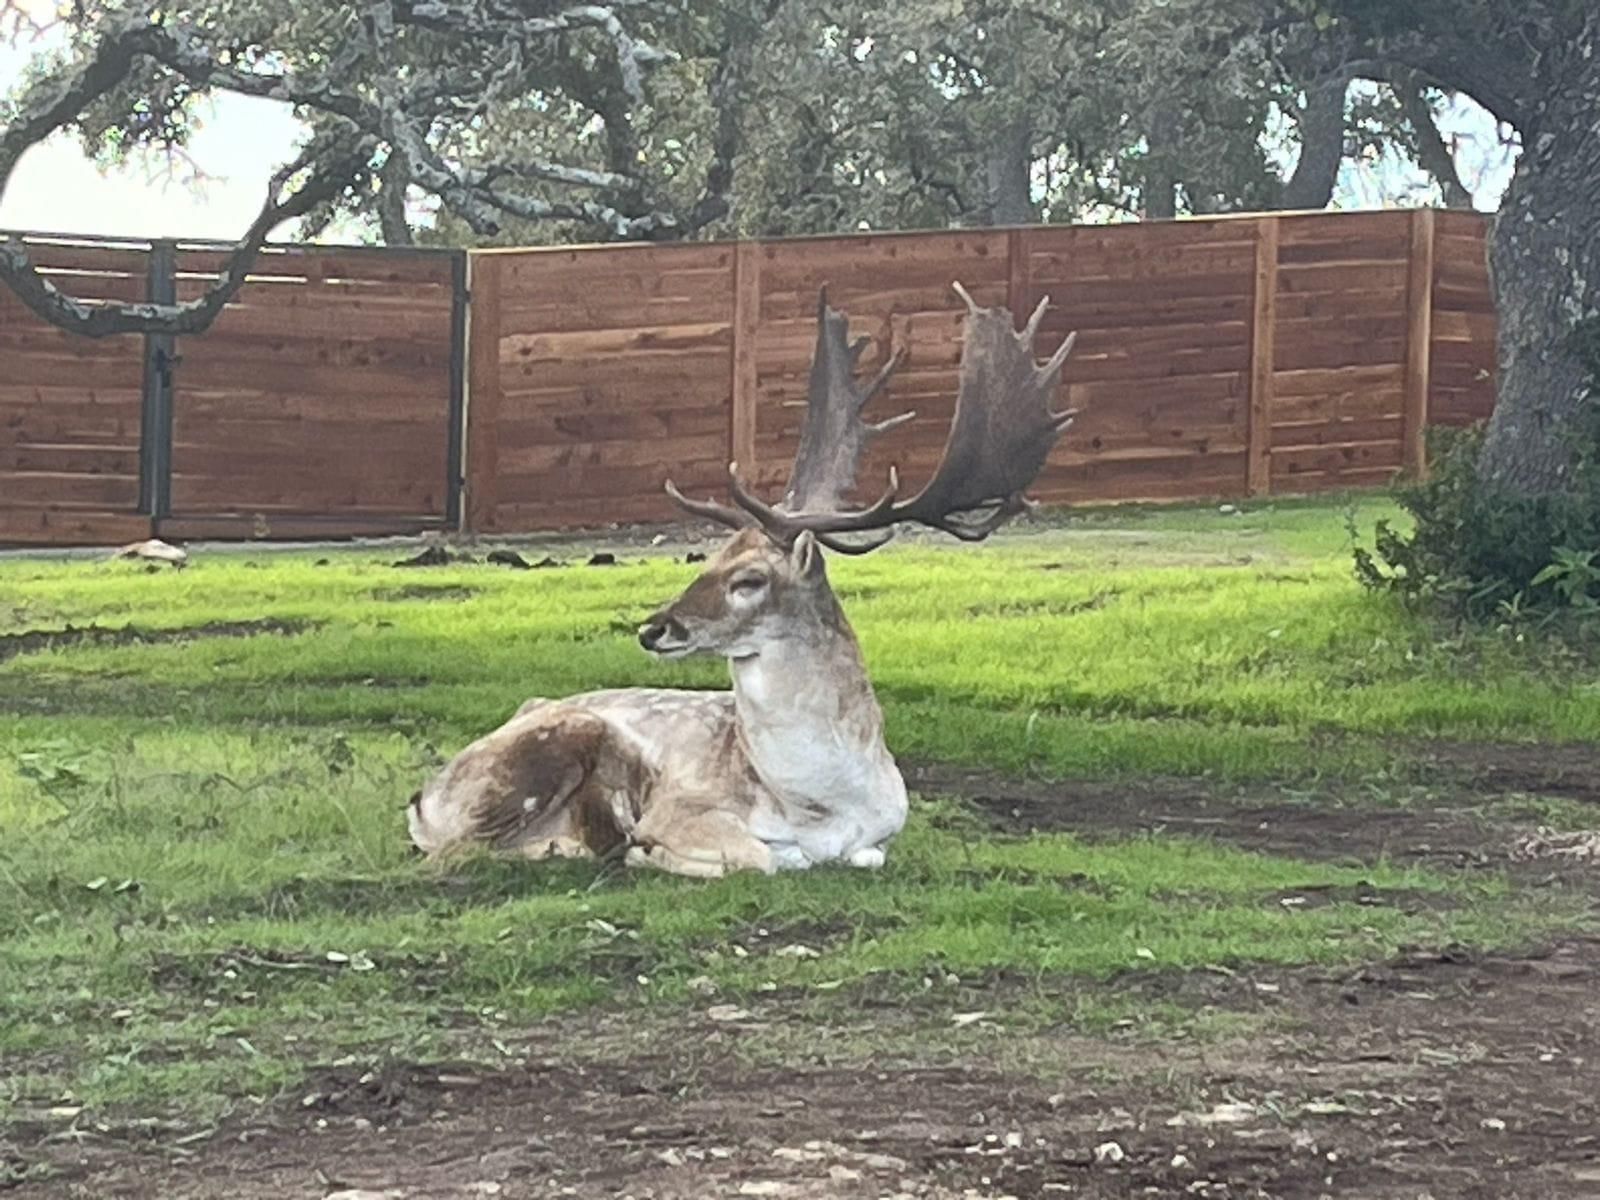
column 831, row 793
column 841, row 811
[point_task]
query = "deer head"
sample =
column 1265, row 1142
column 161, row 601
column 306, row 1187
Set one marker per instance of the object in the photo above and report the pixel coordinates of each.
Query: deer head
column 753, row 591
column 769, row 580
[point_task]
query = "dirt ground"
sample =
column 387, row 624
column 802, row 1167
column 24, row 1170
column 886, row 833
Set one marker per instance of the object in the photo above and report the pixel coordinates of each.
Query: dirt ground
column 1441, row 1074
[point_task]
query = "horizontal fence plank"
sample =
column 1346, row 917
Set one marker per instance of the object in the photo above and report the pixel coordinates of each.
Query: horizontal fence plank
column 373, row 267
column 245, row 406
column 290, row 526
column 1179, row 478
column 553, row 427
column 1309, row 435
column 1134, row 234
column 300, row 491
column 1309, row 483
column 50, row 256
column 295, row 318
column 1334, row 404
column 70, row 489
column 601, row 485
column 1321, row 458
column 81, row 285
column 71, row 458
column 70, row 407
column 620, row 453
column 49, row 524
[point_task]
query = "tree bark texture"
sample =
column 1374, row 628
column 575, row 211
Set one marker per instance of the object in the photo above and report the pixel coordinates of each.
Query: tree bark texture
column 392, row 220
column 1544, row 259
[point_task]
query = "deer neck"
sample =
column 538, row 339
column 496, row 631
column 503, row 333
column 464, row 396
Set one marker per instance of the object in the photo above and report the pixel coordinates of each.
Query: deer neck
column 807, row 713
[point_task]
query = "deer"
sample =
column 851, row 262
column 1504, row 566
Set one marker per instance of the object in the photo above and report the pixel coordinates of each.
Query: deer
column 788, row 769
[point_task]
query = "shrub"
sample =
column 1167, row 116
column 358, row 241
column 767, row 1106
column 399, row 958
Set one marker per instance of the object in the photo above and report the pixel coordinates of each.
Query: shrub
column 1478, row 552
column 1482, row 553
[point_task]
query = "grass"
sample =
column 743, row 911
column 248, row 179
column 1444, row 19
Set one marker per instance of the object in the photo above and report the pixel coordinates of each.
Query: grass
column 204, row 884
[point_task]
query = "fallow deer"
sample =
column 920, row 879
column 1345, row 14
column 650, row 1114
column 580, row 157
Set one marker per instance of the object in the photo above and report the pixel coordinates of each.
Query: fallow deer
column 790, row 768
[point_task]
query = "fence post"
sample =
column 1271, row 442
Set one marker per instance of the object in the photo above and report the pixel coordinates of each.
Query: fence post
column 1263, row 335
column 746, row 323
column 1419, row 342
column 455, row 434
column 155, row 410
column 483, row 390
column 1019, row 275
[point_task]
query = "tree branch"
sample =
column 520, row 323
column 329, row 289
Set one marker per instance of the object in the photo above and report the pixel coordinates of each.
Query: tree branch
column 51, row 103
column 1435, row 157
column 727, row 82
column 17, row 23
column 474, row 194
column 1484, row 53
column 525, row 20
column 1322, row 129
column 101, row 319
column 486, row 51
column 392, row 182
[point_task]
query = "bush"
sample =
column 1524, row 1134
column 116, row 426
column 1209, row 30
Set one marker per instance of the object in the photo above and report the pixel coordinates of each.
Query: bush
column 1483, row 553
column 1480, row 553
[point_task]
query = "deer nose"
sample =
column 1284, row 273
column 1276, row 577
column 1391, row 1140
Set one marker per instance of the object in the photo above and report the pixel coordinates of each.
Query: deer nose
column 661, row 628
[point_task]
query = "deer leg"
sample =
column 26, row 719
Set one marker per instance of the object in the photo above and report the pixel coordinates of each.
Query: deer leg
column 554, row 847
column 868, row 857
column 551, row 782
column 662, row 859
column 706, row 843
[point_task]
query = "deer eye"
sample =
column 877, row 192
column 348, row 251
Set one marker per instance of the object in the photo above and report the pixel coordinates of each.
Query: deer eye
column 747, row 585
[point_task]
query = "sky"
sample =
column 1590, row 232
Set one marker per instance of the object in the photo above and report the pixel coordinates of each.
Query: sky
column 58, row 189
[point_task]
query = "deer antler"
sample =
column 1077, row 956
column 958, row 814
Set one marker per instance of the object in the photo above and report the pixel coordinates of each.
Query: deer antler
column 834, row 437
column 1002, row 432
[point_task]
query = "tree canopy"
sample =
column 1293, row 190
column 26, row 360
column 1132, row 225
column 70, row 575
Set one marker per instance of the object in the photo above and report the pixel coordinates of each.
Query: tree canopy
column 394, row 89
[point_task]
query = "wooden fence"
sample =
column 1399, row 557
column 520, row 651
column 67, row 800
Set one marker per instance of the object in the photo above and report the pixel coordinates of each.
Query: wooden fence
column 325, row 400
column 1216, row 358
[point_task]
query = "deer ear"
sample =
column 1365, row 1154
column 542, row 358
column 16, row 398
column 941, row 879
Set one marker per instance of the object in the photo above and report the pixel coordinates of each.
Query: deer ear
column 806, row 557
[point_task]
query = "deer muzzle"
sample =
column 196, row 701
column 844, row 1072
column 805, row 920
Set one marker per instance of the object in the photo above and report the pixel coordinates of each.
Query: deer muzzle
column 663, row 634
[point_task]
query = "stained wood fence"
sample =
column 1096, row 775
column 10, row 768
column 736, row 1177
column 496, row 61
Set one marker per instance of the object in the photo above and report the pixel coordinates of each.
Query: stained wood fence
column 326, row 400
column 1218, row 358
column 361, row 391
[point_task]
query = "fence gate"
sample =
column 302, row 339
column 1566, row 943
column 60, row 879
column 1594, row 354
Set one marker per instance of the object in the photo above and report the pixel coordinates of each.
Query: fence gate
column 326, row 400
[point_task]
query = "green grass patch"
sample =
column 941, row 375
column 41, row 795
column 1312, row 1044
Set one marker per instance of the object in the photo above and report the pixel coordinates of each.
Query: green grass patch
column 1188, row 642
column 184, row 935
column 205, row 884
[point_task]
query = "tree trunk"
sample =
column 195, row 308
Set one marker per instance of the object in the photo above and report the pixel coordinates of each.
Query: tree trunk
column 1544, row 258
column 1008, row 177
column 392, row 182
column 1321, row 145
column 1160, row 184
